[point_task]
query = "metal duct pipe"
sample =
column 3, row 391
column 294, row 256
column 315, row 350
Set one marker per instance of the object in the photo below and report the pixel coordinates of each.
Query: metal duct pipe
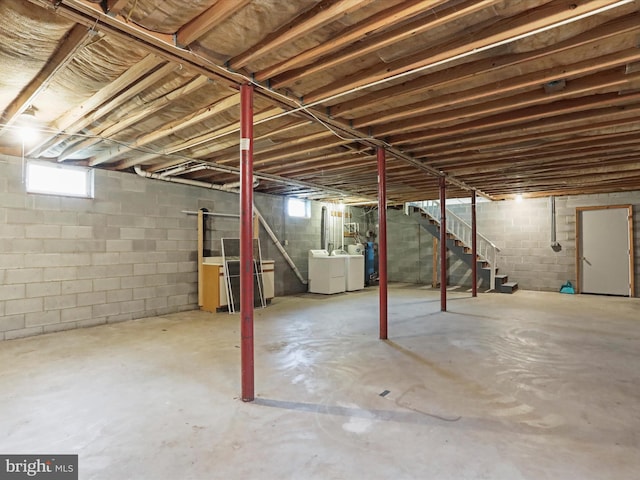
column 552, row 207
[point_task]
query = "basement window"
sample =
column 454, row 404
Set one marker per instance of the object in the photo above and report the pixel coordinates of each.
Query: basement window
column 65, row 180
column 298, row 208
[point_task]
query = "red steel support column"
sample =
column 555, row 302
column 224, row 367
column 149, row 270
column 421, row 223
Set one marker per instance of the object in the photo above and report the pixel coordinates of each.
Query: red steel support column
column 443, row 244
column 382, row 239
column 246, row 241
column 474, row 247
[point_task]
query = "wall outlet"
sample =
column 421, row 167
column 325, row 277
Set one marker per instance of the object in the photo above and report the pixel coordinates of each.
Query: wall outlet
column 286, row 243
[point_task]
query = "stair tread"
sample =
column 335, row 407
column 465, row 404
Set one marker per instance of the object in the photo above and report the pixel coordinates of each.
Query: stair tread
column 510, row 284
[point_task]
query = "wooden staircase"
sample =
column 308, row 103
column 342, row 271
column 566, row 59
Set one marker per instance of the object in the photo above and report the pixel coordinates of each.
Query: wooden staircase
column 459, row 242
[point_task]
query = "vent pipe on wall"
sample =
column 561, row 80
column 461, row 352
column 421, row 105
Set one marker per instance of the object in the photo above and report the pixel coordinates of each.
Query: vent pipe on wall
column 552, row 207
column 324, row 227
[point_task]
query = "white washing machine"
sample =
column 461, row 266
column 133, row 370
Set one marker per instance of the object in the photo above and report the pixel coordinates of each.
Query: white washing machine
column 326, row 273
column 354, row 270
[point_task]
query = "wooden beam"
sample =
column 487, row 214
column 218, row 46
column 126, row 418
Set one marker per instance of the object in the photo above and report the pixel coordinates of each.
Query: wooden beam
column 381, row 20
column 181, row 145
column 574, row 113
column 324, row 12
column 215, row 15
column 569, row 125
column 138, row 71
column 332, row 163
column 605, row 188
column 475, row 163
column 601, row 83
column 618, row 28
column 516, row 185
column 383, row 40
column 524, row 23
column 562, row 165
column 230, row 154
column 160, row 44
column 525, row 115
column 300, row 150
column 114, row 104
column 229, row 129
column 132, row 117
column 87, row 13
column 170, row 128
column 143, row 67
column 532, row 135
column 115, row 7
column 75, row 39
column 207, row 150
column 506, row 86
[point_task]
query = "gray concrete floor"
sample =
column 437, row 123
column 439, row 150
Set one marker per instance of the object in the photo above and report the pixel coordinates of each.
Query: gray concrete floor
column 525, row 386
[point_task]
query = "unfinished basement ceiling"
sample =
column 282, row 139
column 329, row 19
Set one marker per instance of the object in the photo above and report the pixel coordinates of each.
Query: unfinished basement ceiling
column 536, row 98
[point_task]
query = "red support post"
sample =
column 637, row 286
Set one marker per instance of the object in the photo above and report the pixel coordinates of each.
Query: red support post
column 443, row 244
column 382, row 239
column 474, row 247
column 246, row 242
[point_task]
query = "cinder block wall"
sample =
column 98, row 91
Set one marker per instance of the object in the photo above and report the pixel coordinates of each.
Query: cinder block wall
column 128, row 253
column 522, row 231
column 409, row 249
column 301, row 234
column 566, row 223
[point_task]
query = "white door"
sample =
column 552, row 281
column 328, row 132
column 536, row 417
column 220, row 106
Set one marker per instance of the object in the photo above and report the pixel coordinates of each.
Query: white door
column 605, row 251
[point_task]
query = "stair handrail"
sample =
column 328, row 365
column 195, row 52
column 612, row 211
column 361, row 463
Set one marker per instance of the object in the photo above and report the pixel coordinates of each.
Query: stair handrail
column 460, row 229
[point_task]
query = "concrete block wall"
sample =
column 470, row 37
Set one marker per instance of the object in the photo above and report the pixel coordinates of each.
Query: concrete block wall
column 566, row 221
column 71, row 262
column 522, row 231
column 300, row 234
column 409, row 249
column 128, row 253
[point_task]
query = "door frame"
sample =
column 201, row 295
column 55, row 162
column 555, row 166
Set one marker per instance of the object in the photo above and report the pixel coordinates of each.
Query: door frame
column 579, row 210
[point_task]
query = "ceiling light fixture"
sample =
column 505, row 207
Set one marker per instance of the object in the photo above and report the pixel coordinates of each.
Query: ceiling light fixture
column 27, row 133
